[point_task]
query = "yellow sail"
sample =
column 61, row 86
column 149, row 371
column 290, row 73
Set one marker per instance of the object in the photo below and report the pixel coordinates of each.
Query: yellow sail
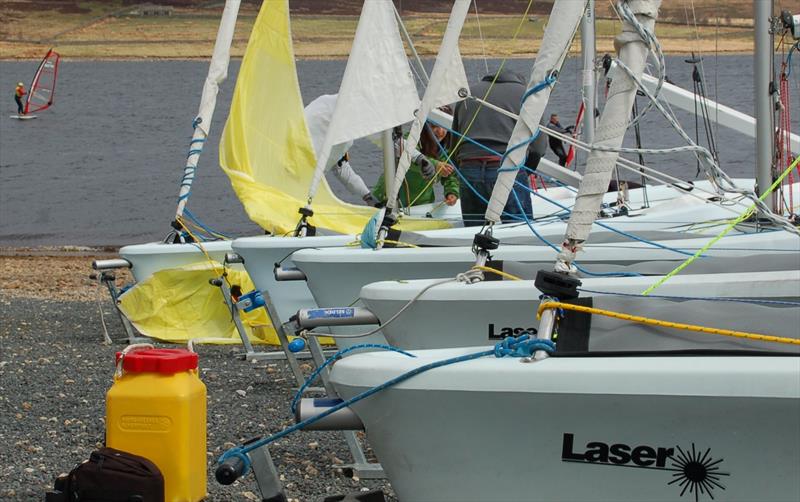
column 178, row 304
column 266, row 149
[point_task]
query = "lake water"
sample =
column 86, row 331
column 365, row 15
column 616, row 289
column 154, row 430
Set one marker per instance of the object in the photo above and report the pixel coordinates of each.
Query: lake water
column 102, row 166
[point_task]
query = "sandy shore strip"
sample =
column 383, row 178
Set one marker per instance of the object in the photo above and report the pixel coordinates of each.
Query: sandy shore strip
column 55, row 371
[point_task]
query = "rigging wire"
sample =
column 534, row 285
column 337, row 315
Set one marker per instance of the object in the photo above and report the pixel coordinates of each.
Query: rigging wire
column 480, row 35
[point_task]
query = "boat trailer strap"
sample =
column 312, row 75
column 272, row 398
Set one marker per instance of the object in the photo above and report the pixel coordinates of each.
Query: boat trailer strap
column 665, row 324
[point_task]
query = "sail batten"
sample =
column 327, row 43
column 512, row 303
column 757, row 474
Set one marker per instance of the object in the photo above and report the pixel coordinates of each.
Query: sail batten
column 43, row 86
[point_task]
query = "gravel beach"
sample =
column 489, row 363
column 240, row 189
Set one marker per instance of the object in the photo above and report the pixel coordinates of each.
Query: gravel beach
column 55, row 371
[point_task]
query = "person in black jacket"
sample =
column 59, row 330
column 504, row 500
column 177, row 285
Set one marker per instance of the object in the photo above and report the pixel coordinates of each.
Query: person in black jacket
column 556, row 144
column 491, row 129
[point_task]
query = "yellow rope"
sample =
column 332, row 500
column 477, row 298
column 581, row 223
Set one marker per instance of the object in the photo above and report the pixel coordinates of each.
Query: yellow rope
column 727, row 229
column 665, row 324
column 498, row 272
column 398, row 243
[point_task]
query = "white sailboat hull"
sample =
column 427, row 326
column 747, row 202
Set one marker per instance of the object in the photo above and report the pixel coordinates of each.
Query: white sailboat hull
column 335, row 276
column 146, row 259
column 461, row 315
column 498, row 429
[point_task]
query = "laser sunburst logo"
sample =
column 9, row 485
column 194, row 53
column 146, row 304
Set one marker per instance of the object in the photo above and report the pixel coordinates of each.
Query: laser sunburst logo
column 696, row 473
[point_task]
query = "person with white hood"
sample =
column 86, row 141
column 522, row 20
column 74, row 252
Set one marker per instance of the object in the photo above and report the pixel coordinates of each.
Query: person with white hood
column 318, row 118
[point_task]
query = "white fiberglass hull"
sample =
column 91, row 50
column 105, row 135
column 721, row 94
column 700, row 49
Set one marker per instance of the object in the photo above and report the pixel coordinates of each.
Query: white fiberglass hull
column 336, row 275
column 149, row 258
column 589, row 429
column 460, row 315
column 665, row 219
column 262, row 253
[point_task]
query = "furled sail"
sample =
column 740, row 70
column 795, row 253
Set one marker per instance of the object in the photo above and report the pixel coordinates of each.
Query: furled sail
column 266, row 149
column 611, row 127
column 43, row 87
column 448, row 84
column 561, row 27
column 217, row 73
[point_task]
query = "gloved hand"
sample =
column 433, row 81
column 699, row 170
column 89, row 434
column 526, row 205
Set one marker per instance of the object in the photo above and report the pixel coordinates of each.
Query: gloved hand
column 426, row 166
column 370, row 200
column 570, row 129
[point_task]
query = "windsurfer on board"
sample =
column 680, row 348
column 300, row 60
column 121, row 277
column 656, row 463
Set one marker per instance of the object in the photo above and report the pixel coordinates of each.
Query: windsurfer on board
column 18, row 93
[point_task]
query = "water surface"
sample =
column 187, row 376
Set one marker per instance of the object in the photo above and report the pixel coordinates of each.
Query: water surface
column 102, row 166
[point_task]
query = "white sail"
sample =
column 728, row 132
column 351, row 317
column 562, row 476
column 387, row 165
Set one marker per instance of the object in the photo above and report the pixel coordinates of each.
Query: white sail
column 217, row 73
column 561, row 27
column 610, row 130
column 377, row 91
column 448, row 78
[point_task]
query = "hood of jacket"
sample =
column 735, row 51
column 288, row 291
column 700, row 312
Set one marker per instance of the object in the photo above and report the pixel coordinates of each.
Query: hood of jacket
column 505, row 76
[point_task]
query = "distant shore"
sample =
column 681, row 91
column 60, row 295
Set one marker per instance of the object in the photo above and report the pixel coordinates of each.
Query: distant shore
column 190, row 35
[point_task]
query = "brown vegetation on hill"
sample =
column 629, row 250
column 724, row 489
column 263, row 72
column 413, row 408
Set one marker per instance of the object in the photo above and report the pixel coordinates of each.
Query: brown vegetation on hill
column 324, row 28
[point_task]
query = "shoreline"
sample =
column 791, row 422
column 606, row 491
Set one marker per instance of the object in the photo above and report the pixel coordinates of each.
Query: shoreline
column 328, row 58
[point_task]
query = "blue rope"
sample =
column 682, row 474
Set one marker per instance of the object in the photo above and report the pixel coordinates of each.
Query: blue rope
column 547, row 82
column 189, row 170
column 202, row 225
column 311, row 379
column 575, row 263
column 616, row 231
column 521, row 344
column 705, row 298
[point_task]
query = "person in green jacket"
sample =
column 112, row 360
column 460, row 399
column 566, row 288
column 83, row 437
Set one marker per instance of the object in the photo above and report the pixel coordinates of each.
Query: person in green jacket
column 428, row 163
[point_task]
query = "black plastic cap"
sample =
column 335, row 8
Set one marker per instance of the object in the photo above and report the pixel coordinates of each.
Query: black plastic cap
column 486, row 242
column 561, row 286
column 229, row 471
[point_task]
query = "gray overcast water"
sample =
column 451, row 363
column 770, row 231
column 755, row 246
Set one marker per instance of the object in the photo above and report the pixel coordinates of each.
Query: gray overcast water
column 102, row 166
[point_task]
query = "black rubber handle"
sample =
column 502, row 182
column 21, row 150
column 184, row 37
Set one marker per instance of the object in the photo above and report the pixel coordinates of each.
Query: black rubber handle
column 229, row 471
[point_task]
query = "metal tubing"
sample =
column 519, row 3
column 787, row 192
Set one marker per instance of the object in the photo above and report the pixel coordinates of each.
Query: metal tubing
column 289, row 274
column 762, row 57
column 335, row 316
column 342, row 420
column 388, row 159
column 589, row 77
column 111, row 264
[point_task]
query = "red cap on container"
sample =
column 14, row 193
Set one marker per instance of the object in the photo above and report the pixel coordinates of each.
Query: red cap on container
column 165, row 361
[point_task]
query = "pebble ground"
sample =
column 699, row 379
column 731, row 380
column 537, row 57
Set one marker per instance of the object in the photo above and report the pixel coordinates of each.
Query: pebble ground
column 55, row 371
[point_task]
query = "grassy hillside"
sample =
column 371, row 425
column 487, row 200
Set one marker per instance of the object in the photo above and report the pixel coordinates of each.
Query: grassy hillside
column 324, row 28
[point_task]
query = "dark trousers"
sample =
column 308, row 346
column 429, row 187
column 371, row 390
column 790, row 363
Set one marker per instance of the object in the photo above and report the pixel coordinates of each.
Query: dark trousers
column 20, row 108
column 558, row 149
column 482, row 176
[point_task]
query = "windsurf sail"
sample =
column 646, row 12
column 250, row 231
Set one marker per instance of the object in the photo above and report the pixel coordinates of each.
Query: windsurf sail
column 43, row 87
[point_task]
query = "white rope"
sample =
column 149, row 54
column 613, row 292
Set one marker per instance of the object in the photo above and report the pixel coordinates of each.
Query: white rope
column 391, row 319
column 480, row 35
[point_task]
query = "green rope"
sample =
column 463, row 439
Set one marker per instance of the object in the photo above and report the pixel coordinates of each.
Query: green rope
column 722, row 234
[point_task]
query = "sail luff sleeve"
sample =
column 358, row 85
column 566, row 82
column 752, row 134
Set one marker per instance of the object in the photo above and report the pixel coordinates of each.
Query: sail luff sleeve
column 610, row 130
column 447, row 78
column 217, row 73
column 562, row 25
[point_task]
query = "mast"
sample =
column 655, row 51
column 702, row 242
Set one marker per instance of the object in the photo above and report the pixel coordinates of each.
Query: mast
column 762, row 76
column 639, row 21
column 589, row 49
column 217, row 73
column 388, row 161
